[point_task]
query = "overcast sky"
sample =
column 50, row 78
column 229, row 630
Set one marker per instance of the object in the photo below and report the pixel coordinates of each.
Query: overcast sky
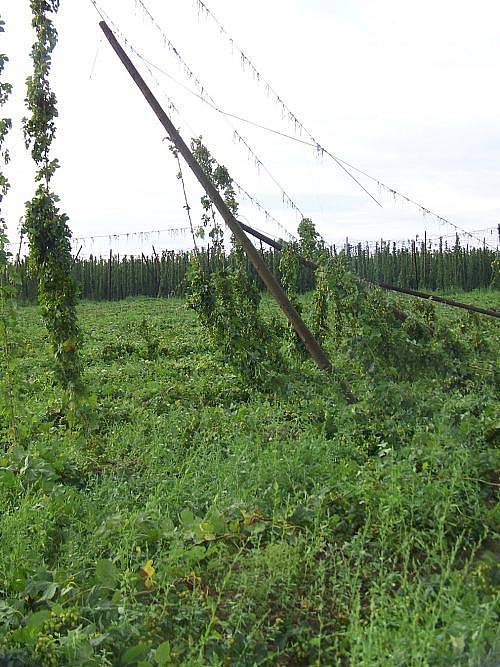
column 406, row 90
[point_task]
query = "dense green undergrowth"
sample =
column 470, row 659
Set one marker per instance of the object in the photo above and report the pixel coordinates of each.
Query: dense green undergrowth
column 192, row 520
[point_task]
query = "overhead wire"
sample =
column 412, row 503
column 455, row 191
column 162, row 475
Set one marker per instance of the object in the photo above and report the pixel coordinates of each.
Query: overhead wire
column 183, row 230
column 143, row 233
column 117, row 235
column 287, row 199
column 253, row 123
column 312, row 143
column 186, row 200
column 298, row 125
column 149, row 65
column 94, row 63
column 250, row 122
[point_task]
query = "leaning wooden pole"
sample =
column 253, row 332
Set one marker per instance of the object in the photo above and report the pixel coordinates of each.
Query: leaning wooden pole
column 312, row 345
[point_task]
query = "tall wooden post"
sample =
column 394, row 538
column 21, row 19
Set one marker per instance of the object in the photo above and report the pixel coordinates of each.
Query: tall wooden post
column 425, row 259
column 315, row 350
column 110, row 261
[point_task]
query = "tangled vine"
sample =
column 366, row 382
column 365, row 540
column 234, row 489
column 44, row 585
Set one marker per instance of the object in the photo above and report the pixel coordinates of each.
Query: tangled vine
column 368, row 325
column 289, row 268
column 310, row 245
column 45, row 226
column 8, row 320
column 313, row 247
column 226, row 301
column 5, row 125
column 495, row 269
column 372, row 329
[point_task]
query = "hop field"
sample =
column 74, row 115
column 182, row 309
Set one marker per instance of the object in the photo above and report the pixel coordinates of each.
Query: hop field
column 190, row 476
column 191, row 519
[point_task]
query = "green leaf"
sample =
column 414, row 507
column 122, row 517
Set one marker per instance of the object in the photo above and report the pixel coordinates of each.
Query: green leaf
column 134, row 654
column 37, row 619
column 49, row 592
column 162, row 654
column 187, row 518
column 106, row 573
column 7, row 479
column 458, row 643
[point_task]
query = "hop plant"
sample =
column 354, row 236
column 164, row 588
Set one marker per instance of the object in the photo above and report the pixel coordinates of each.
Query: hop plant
column 45, row 225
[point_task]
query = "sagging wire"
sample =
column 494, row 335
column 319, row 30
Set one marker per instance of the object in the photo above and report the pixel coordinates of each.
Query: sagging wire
column 204, row 92
column 298, row 126
column 392, row 191
column 173, row 107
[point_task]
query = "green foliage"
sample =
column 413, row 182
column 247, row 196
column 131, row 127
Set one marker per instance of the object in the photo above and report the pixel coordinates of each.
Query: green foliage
column 237, row 331
column 495, row 268
column 311, row 244
column 5, row 126
column 226, row 302
column 320, row 302
column 5, row 87
column 289, row 269
column 196, row 521
column 220, row 177
column 200, row 522
column 393, row 340
column 9, row 331
column 165, row 275
column 424, row 265
column 150, row 338
column 44, row 224
column 10, row 350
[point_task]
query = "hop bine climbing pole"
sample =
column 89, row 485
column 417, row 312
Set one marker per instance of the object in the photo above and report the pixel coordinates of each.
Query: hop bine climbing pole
column 315, row 350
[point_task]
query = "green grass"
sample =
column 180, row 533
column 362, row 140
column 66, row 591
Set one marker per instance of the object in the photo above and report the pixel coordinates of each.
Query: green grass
column 283, row 528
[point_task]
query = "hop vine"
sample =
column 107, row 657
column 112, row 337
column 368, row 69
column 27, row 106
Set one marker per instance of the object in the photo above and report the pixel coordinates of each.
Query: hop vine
column 495, row 270
column 45, row 225
column 9, row 332
column 311, row 246
column 5, row 126
column 226, row 301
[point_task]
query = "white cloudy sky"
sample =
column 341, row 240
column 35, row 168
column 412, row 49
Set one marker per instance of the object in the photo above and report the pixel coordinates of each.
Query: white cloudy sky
column 406, row 90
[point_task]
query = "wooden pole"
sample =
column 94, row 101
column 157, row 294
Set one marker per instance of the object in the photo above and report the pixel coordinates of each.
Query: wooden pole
column 415, row 264
column 425, row 281
column 18, row 259
column 109, row 273
column 313, row 347
column 75, row 258
column 492, row 312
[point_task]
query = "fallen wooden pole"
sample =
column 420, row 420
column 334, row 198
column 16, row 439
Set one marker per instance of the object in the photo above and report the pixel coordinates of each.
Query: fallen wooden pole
column 492, row 312
column 311, row 344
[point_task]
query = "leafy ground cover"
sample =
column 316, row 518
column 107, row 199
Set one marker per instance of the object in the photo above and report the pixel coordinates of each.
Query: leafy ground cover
column 193, row 520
